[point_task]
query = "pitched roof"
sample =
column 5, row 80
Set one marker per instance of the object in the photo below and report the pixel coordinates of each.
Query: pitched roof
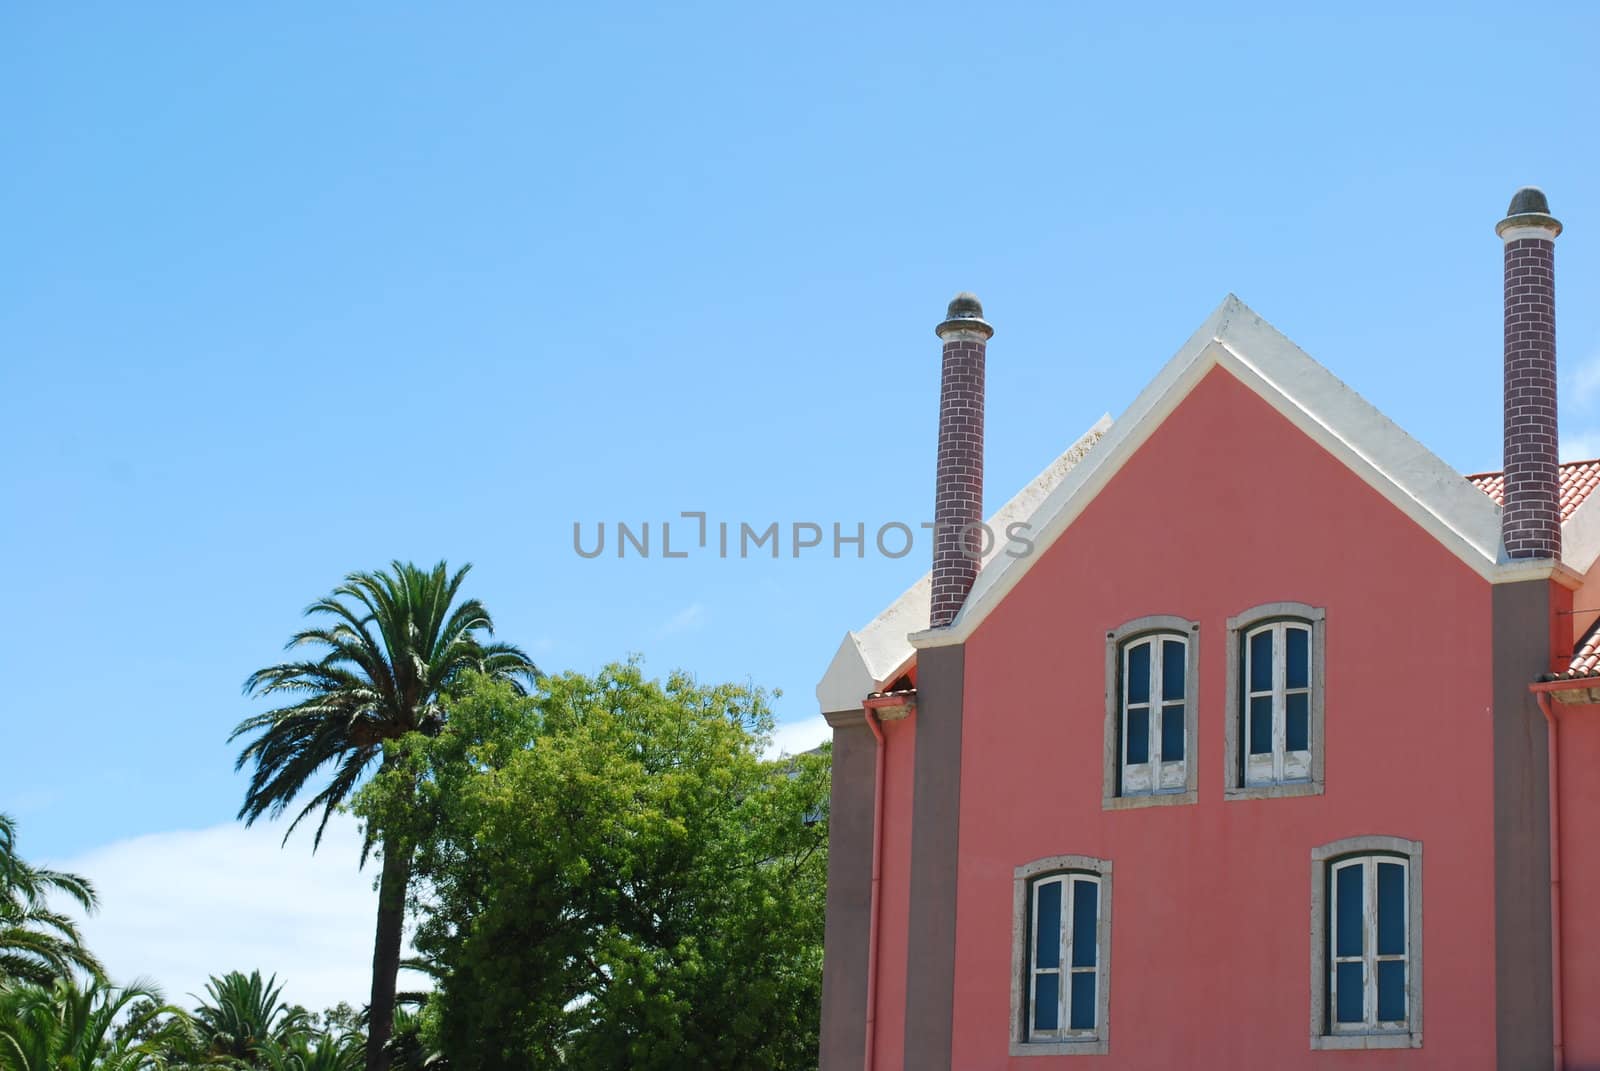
column 1578, row 480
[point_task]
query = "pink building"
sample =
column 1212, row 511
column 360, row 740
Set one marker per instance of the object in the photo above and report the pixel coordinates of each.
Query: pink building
column 1175, row 779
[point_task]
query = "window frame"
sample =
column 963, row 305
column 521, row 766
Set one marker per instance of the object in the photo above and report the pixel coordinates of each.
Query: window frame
column 1277, row 693
column 1026, row 879
column 1240, row 627
column 1118, row 640
column 1325, row 860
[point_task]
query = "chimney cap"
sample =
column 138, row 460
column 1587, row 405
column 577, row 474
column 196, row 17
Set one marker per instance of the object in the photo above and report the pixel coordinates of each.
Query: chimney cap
column 1529, row 211
column 965, row 306
column 964, row 313
column 1529, row 199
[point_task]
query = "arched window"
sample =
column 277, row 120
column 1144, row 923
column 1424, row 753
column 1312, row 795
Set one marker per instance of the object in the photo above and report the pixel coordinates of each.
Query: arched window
column 1152, row 679
column 1366, row 943
column 1061, row 956
column 1275, row 703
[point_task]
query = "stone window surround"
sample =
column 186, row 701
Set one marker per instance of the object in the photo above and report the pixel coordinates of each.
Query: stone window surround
column 1111, row 767
column 1321, row 857
column 1022, row 883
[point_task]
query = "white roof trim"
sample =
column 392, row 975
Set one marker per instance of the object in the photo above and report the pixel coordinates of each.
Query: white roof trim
column 872, row 657
column 1580, row 535
column 1537, row 569
column 1419, row 483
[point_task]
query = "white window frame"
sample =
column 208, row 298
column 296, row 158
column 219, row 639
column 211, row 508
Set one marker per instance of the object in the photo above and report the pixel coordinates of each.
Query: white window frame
column 1282, row 772
column 1155, row 781
column 1279, row 765
column 1326, row 862
column 1065, row 971
column 1027, row 881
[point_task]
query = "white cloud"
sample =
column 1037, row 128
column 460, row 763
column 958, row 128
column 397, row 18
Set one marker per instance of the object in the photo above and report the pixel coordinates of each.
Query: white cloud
column 686, row 620
column 1585, row 380
column 799, row 734
column 1580, row 390
column 1580, row 445
column 180, row 907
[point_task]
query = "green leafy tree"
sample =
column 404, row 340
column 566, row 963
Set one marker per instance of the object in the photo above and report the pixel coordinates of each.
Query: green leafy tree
column 413, row 1046
column 391, row 643
column 88, row 1027
column 612, row 877
column 242, row 1014
column 39, row 944
column 341, row 1019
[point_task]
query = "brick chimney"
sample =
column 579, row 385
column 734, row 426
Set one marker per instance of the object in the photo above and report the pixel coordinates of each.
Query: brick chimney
column 958, row 491
column 1530, row 525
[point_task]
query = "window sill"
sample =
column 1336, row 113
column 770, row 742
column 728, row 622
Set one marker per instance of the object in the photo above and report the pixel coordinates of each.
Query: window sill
column 1154, row 799
column 1274, row 792
column 1086, row 1047
column 1388, row 1040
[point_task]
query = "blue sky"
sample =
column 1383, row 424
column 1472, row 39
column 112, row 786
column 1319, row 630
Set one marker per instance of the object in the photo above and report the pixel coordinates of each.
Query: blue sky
column 296, row 290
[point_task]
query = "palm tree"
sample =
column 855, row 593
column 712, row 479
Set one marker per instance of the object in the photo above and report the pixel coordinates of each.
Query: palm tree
column 408, row 1049
column 38, row 944
column 325, row 1052
column 241, row 1015
column 393, row 643
column 93, row 1027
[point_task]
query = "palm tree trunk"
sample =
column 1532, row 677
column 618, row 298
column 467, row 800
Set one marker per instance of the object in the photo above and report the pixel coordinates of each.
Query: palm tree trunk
column 386, row 951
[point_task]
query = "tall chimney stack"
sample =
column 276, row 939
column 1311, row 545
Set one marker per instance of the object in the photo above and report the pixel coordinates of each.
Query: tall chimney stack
column 958, row 492
column 1530, row 524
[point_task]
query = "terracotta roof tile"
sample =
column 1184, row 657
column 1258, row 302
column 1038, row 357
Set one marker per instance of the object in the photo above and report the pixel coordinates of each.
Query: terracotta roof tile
column 1578, row 479
column 1585, row 660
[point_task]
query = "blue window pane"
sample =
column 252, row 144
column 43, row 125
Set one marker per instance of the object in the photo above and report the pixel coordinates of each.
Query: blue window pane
column 1046, row 1001
column 1261, row 726
column 1085, row 915
column 1391, row 910
column 1139, row 673
column 1297, row 722
column 1173, row 663
column 1139, row 735
column 1172, row 732
column 1391, row 990
column 1261, row 662
column 1348, row 887
column 1348, row 982
column 1082, row 1001
column 1297, row 658
column 1047, row 926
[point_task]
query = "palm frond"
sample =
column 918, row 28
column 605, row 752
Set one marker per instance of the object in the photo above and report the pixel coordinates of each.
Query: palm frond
column 390, row 642
column 37, row 943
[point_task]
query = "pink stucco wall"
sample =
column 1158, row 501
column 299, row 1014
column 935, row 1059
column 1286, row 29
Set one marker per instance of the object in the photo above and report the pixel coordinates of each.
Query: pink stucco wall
column 1580, row 883
column 1228, row 506
column 889, row 1033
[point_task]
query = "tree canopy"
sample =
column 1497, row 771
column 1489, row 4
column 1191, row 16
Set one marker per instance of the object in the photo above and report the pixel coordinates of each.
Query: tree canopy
column 243, row 1016
column 611, row 875
column 606, row 872
column 92, row 1026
